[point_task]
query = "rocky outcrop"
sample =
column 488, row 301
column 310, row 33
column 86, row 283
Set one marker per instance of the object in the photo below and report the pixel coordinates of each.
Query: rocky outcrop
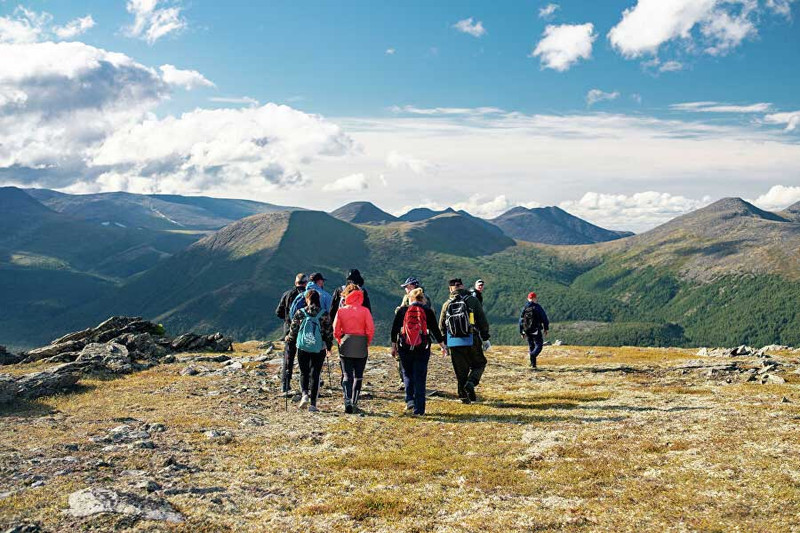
column 8, row 358
column 45, row 383
column 742, row 350
column 111, row 357
column 97, row 500
column 190, row 342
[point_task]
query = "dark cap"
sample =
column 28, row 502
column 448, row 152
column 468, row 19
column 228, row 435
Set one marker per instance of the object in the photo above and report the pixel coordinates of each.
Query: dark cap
column 300, row 279
column 316, row 276
column 411, row 280
column 455, row 281
column 355, row 276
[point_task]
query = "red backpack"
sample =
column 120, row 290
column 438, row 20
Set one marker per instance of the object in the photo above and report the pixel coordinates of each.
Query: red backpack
column 415, row 325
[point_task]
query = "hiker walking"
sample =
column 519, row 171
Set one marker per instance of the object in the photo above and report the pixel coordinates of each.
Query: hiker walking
column 353, row 329
column 412, row 329
column 354, row 277
column 467, row 330
column 408, row 285
column 284, row 312
column 477, row 290
column 533, row 326
column 312, row 332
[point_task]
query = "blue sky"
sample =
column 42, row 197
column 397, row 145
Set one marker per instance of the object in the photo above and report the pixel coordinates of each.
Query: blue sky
column 629, row 113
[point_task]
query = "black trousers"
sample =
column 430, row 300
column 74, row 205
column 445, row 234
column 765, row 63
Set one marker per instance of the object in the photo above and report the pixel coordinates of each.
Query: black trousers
column 352, row 376
column 535, row 345
column 288, row 365
column 468, row 364
column 310, row 371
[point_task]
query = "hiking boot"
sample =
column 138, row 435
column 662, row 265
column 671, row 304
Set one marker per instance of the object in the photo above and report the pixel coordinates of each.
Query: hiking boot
column 469, row 388
column 304, row 400
column 466, row 400
column 348, row 407
column 410, row 406
column 312, row 409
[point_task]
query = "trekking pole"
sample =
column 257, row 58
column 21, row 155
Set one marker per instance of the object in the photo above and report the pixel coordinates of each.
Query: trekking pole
column 330, row 379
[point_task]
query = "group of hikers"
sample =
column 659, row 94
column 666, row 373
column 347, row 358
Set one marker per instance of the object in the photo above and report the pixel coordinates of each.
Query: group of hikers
column 314, row 318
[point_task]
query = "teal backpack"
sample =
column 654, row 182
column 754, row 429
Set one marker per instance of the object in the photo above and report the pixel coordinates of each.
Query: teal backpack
column 309, row 338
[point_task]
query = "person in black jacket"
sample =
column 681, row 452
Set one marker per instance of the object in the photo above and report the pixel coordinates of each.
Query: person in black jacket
column 311, row 362
column 477, row 290
column 405, row 334
column 354, row 277
column 533, row 326
column 284, row 313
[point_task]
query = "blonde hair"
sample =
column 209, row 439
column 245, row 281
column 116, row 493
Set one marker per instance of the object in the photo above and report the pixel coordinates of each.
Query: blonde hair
column 351, row 287
column 417, row 295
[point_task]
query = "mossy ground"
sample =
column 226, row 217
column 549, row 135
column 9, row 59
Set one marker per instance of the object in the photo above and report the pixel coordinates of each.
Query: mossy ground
column 602, row 439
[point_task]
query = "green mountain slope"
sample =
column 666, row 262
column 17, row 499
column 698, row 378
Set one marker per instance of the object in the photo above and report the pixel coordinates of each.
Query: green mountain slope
column 552, row 225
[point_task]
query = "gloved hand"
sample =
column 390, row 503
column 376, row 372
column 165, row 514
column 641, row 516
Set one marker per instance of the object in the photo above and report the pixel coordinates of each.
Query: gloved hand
column 486, row 346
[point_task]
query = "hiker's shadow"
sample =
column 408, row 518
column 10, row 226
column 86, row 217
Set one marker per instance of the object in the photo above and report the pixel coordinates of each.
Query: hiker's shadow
column 21, row 408
column 460, row 418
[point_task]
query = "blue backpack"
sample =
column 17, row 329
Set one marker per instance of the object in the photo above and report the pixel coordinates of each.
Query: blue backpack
column 309, row 337
column 299, row 302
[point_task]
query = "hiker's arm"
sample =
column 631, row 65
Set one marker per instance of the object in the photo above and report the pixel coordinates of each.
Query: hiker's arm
column 370, row 327
column 327, row 331
column 397, row 325
column 337, row 329
column 280, row 311
column 295, row 327
column 442, row 316
column 545, row 320
column 337, row 296
column 366, row 303
column 480, row 321
column 433, row 327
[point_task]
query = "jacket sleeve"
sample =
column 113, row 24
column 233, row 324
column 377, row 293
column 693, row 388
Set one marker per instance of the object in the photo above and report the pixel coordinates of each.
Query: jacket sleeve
column 397, row 323
column 327, row 330
column 545, row 320
column 366, row 303
column 337, row 328
column 370, row 326
column 433, row 327
column 281, row 310
column 521, row 316
column 337, row 296
column 480, row 319
column 294, row 328
column 442, row 327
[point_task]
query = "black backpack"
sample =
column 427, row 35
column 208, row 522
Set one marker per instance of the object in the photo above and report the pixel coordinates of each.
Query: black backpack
column 530, row 320
column 456, row 317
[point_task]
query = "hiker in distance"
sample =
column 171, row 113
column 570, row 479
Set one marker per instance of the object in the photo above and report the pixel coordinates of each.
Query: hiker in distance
column 413, row 329
column 317, row 282
column 533, row 326
column 354, row 277
column 409, row 285
column 283, row 312
column 353, row 329
column 464, row 322
column 477, row 290
column 312, row 332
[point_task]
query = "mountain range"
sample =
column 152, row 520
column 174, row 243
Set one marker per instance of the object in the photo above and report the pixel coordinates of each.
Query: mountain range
column 725, row 274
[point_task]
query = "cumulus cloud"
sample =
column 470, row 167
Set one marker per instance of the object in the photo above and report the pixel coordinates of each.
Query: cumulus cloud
column 390, row 51
column 778, row 197
column 635, row 212
column 716, row 107
column 70, row 111
column 781, row 7
column 470, row 27
column 714, row 27
column 352, row 183
column 790, row 119
column 670, row 66
column 596, row 95
column 27, row 26
column 548, row 11
column 396, row 160
column 152, row 22
column 446, row 111
column 563, row 46
column 187, row 79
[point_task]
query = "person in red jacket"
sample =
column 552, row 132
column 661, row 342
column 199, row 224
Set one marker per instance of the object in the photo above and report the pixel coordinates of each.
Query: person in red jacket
column 353, row 329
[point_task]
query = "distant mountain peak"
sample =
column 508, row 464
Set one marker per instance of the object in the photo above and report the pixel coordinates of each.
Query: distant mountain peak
column 732, row 207
column 362, row 213
column 552, row 225
column 15, row 200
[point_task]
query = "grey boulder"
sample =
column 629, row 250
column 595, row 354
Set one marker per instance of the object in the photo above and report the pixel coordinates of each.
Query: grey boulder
column 97, row 500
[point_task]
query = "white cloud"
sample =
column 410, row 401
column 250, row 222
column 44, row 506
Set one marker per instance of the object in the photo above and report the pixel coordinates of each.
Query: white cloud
column 396, row 160
column 718, row 26
column 635, row 212
column 446, row 111
column 187, row 79
column 778, row 197
column 243, row 100
column 352, row 183
column 548, row 11
column 478, row 205
column 390, row 51
column 781, row 7
column 670, row 66
column 716, row 107
column 470, row 27
column 636, row 97
column 151, row 22
column 27, row 26
column 74, row 28
column 790, row 119
column 563, row 46
column 596, row 95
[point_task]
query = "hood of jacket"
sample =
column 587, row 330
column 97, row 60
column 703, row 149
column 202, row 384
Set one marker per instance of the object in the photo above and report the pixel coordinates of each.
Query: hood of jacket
column 354, row 298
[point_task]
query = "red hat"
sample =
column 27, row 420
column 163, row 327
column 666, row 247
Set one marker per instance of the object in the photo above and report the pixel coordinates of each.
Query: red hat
column 531, row 295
